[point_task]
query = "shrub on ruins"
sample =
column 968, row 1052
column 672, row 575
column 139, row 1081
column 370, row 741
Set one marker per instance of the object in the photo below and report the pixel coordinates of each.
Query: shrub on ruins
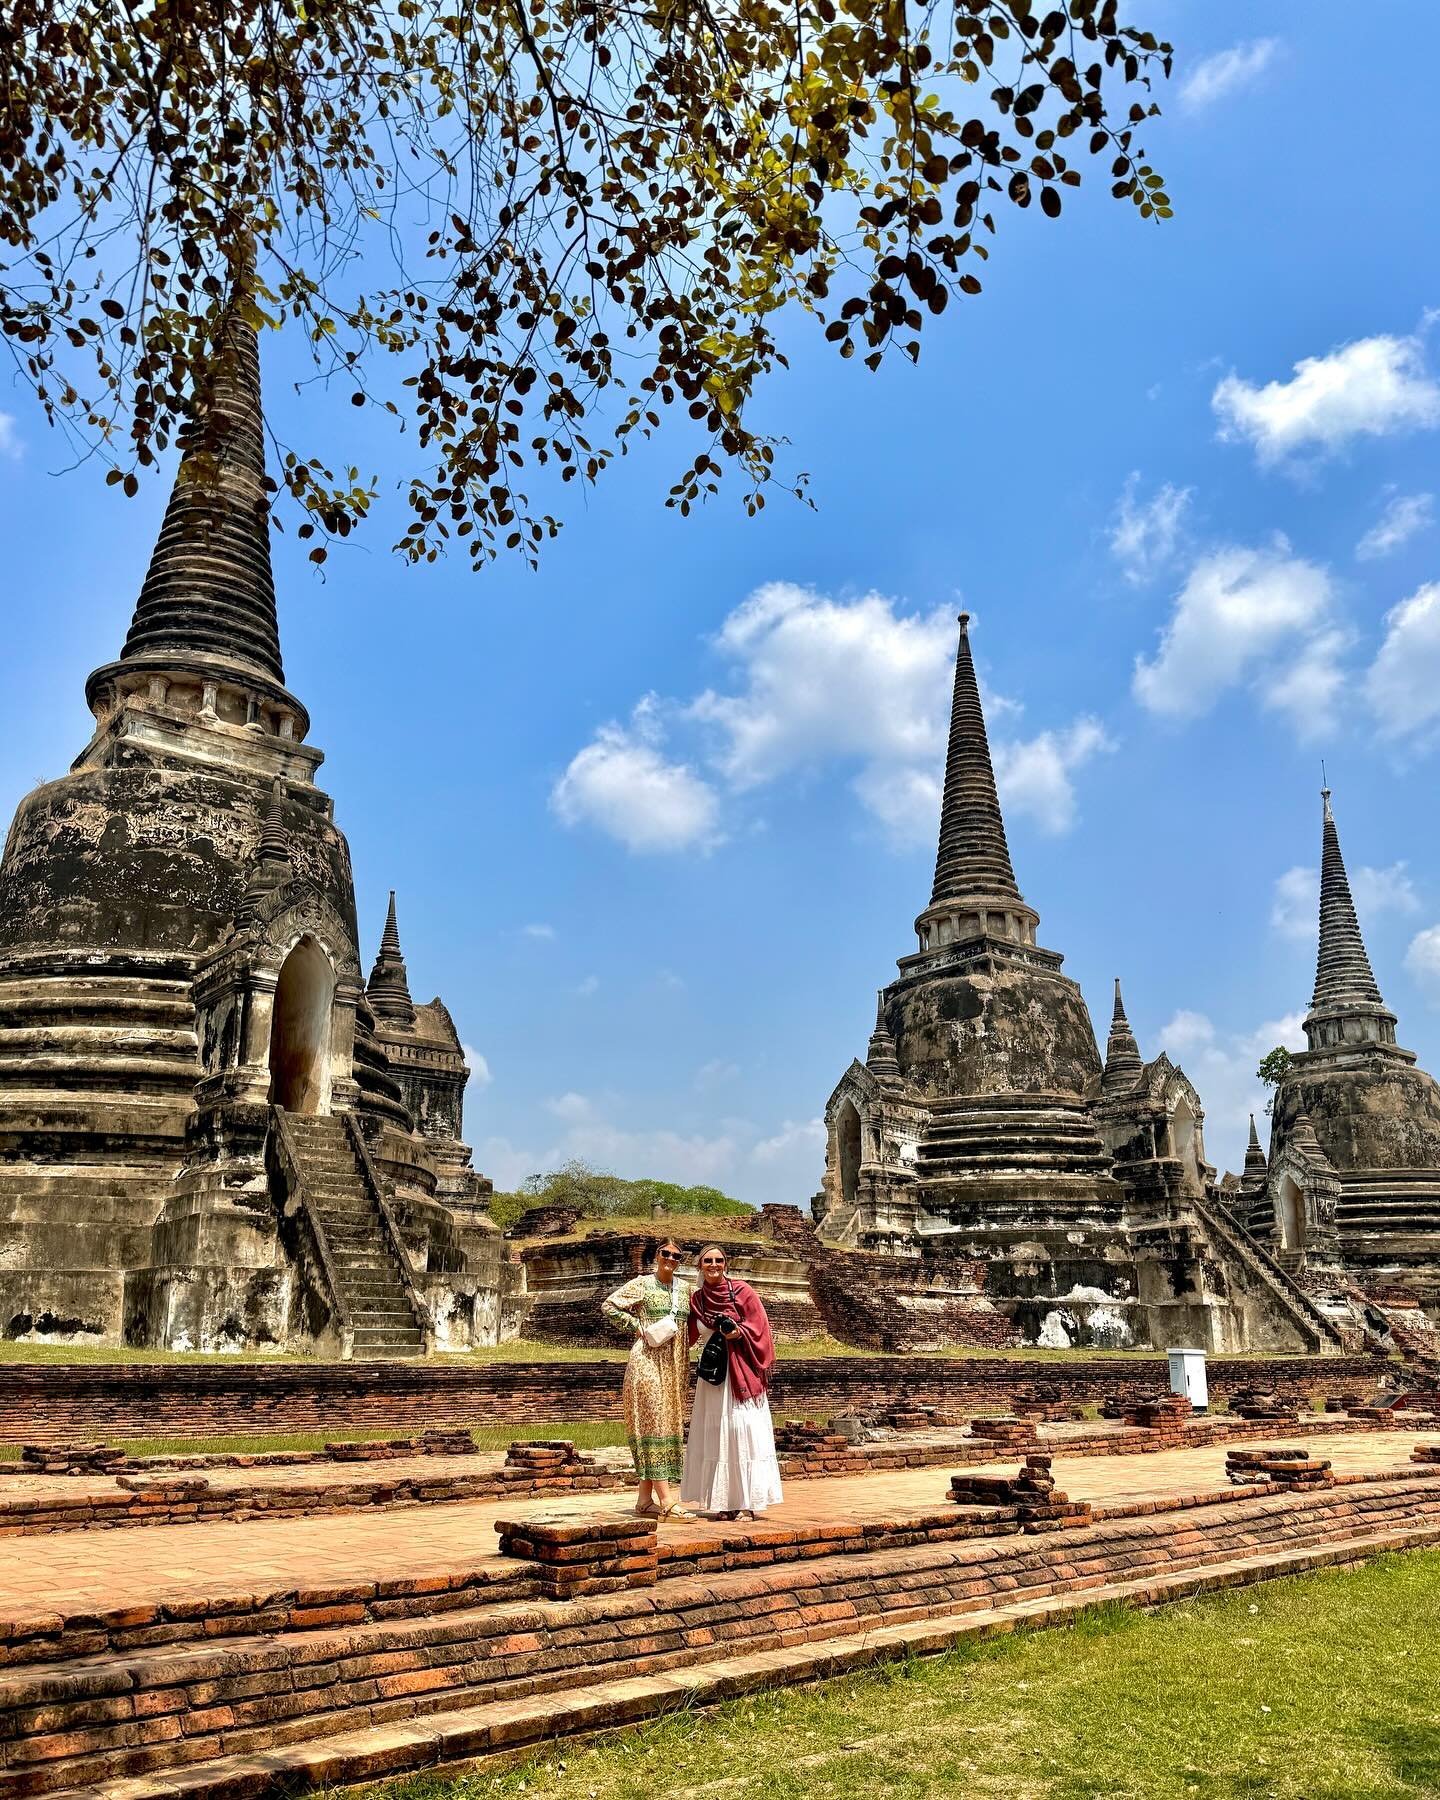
column 594, row 1194
column 1274, row 1066
column 525, row 232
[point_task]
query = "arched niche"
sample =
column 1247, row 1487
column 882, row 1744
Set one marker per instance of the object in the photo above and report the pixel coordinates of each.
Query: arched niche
column 1290, row 1214
column 300, row 1030
column 848, row 1151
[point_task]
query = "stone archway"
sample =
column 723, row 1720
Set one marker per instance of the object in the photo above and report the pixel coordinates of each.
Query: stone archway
column 1290, row 1214
column 848, row 1151
column 300, row 1031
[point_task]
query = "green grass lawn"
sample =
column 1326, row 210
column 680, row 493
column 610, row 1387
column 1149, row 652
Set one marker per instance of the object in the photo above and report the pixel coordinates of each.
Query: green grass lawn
column 1322, row 1688
column 585, row 1434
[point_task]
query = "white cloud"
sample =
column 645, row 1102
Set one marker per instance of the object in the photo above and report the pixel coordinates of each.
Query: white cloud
column 784, row 1164
column 905, row 800
column 1403, row 517
column 571, row 1106
column 715, row 1073
column 1422, row 959
column 1238, row 608
column 1402, row 685
column 623, row 785
column 543, row 932
column 1368, row 388
column 1295, row 903
column 1145, row 536
column 590, row 985
column 1033, row 776
column 818, row 683
column 1214, row 77
column 479, row 1068
column 1222, row 1065
column 1307, row 686
column 805, row 1135
column 10, row 444
column 827, row 678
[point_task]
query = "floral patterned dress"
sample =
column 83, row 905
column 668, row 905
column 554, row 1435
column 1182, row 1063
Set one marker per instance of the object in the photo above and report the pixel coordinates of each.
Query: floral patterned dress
column 656, row 1376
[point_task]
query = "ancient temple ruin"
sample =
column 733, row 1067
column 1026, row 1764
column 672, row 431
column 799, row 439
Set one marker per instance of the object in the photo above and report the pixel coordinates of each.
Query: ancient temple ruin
column 982, row 1124
column 213, row 1134
column 1349, row 1197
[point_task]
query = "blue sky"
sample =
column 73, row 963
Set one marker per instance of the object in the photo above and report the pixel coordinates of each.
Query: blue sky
column 660, row 816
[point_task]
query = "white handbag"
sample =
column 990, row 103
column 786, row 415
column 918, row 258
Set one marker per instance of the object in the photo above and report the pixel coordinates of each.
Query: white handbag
column 660, row 1332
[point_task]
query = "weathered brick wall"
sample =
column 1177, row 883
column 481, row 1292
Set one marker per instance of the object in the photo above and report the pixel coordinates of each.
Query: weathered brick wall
column 40, row 1402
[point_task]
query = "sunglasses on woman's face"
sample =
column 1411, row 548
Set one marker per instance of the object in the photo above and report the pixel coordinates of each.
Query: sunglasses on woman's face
column 669, row 1256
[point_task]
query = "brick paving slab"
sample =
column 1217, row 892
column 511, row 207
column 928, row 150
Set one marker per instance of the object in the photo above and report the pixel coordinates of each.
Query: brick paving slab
column 79, row 1571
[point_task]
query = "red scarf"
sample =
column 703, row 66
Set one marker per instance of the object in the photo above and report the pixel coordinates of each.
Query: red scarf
column 752, row 1347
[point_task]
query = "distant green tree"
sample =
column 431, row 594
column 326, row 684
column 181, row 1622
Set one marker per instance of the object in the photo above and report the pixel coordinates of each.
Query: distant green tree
column 1273, row 1070
column 596, row 1194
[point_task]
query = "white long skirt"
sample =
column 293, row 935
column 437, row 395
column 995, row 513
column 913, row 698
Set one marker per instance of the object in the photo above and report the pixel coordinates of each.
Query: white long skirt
column 730, row 1463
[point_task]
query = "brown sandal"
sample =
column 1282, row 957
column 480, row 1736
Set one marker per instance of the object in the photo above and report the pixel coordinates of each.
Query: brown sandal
column 677, row 1511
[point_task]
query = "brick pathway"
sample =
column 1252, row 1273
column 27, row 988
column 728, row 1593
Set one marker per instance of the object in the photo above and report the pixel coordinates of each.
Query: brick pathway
column 71, row 1572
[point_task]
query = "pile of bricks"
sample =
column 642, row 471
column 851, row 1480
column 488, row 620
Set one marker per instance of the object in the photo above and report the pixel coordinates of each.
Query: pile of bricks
column 548, row 1465
column 72, row 1459
column 1008, row 1431
column 1257, row 1403
column 1166, row 1416
column 1036, row 1502
column 456, row 1441
column 1342, row 1403
column 1426, row 1453
column 574, row 1557
column 909, row 1414
column 1289, row 1467
column 806, row 1437
column 1045, row 1401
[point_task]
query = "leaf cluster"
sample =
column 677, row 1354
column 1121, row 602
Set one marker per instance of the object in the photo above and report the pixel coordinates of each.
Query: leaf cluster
column 564, row 219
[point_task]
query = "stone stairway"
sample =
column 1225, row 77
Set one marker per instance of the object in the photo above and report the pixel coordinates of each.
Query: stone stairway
column 339, row 1191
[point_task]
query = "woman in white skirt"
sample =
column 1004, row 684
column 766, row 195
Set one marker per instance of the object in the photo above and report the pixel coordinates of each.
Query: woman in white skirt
column 730, row 1467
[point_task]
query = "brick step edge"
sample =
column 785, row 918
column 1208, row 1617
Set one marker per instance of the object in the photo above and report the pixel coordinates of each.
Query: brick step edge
column 472, row 1737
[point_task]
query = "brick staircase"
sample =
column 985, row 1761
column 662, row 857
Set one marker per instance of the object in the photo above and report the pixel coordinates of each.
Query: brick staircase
column 340, row 1191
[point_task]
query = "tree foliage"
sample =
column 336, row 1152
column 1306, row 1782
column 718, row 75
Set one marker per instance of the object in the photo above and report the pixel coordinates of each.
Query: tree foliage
column 1274, row 1066
column 597, row 1195
column 564, row 217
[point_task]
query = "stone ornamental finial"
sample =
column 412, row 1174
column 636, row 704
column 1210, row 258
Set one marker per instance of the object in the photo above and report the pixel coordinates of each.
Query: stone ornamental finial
column 973, row 856
column 388, row 989
column 272, row 867
column 880, row 1058
column 1255, row 1163
column 274, row 843
column 1124, row 1065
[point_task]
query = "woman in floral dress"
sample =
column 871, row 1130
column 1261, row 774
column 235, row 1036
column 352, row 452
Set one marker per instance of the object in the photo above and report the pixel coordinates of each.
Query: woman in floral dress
column 653, row 1309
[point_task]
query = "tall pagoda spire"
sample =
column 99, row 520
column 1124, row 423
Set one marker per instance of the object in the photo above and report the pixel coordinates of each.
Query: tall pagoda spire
column 975, row 895
column 1342, row 970
column 388, row 989
column 209, row 591
column 1123, row 1063
column 973, row 857
column 1346, row 1006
